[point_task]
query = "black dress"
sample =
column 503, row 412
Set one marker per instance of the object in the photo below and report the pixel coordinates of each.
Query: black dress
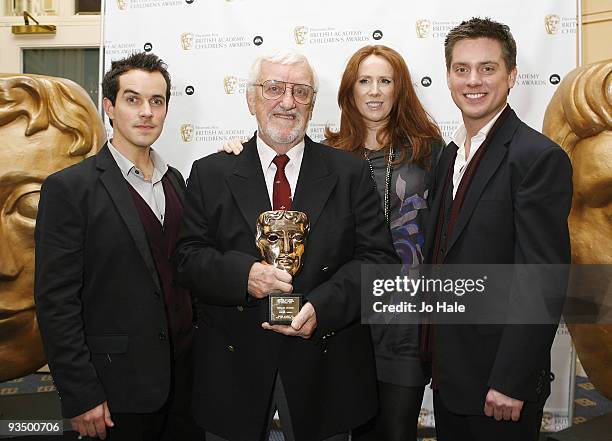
column 396, row 346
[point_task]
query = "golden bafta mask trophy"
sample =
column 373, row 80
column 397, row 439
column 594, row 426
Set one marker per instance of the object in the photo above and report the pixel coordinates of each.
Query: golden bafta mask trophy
column 281, row 239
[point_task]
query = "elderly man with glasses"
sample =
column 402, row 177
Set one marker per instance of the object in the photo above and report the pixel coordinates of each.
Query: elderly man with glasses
column 318, row 371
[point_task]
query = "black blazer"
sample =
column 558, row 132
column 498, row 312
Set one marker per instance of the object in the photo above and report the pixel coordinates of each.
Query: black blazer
column 98, row 298
column 329, row 379
column 514, row 212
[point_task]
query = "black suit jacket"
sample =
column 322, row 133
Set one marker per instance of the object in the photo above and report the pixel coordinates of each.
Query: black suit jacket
column 329, row 379
column 514, row 212
column 98, row 297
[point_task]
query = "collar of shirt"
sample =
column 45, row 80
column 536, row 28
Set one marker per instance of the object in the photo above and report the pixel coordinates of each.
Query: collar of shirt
column 127, row 167
column 459, row 138
column 460, row 135
column 292, row 170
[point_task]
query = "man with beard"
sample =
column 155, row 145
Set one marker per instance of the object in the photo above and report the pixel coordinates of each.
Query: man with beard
column 318, row 372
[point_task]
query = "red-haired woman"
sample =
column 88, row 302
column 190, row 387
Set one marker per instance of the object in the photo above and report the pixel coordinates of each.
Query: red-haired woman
column 384, row 121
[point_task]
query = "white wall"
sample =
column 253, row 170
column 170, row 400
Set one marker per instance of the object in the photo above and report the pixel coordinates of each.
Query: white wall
column 72, row 32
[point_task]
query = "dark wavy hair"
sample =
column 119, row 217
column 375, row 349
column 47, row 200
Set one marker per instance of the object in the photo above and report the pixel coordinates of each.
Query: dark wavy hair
column 482, row 28
column 136, row 61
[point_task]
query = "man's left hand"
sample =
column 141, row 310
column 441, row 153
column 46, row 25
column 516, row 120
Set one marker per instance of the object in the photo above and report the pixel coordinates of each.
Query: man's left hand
column 302, row 325
column 502, row 407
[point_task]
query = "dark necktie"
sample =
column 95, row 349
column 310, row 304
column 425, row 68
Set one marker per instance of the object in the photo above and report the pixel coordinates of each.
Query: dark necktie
column 281, row 192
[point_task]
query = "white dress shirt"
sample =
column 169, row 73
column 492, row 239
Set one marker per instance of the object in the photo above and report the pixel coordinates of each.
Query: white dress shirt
column 459, row 138
column 151, row 191
column 292, row 169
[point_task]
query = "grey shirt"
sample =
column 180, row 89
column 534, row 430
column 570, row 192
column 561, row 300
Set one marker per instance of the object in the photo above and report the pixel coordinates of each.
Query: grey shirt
column 151, row 191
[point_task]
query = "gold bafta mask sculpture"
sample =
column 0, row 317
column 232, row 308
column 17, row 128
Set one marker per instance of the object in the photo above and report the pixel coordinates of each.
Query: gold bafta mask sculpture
column 281, row 239
column 46, row 124
column 579, row 119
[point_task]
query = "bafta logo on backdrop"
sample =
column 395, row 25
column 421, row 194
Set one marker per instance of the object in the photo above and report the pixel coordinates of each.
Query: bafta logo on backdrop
column 548, row 421
column 122, row 4
column 300, row 33
column 229, row 84
column 422, row 28
column 551, row 24
column 187, row 132
column 187, row 41
column 423, row 418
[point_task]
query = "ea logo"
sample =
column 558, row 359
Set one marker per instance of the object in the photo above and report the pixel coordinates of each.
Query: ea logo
column 148, row 47
column 377, row 35
column 189, row 90
column 555, row 79
column 426, row 81
column 257, row 41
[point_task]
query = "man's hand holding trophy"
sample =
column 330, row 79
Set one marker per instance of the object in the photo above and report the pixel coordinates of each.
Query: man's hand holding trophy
column 281, row 239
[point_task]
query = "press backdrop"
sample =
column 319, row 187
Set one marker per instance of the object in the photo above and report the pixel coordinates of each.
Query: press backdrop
column 210, row 44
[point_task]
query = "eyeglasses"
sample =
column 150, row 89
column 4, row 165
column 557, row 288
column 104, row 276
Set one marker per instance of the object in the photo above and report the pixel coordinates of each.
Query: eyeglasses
column 272, row 90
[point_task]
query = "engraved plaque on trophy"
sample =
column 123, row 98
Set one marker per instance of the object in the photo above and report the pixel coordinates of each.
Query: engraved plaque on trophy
column 281, row 239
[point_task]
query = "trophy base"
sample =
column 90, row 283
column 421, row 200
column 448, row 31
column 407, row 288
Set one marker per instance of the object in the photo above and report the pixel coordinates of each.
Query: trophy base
column 283, row 308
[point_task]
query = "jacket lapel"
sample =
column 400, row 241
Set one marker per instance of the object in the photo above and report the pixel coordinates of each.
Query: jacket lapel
column 315, row 182
column 446, row 161
column 492, row 159
column 177, row 183
column 115, row 184
column 248, row 185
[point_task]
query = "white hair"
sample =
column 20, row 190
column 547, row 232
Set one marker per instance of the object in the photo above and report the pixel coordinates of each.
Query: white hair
column 285, row 57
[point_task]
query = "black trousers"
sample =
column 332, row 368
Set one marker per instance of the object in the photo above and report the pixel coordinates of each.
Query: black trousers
column 397, row 417
column 453, row 427
column 279, row 402
column 170, row 423
column 137, row 427
column 180, row 425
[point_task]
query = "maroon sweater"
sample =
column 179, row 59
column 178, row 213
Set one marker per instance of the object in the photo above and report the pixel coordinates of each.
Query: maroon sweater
column 162, row 239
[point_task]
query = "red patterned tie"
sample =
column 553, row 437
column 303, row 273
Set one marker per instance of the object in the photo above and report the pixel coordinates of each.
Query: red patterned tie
column 281, row 193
